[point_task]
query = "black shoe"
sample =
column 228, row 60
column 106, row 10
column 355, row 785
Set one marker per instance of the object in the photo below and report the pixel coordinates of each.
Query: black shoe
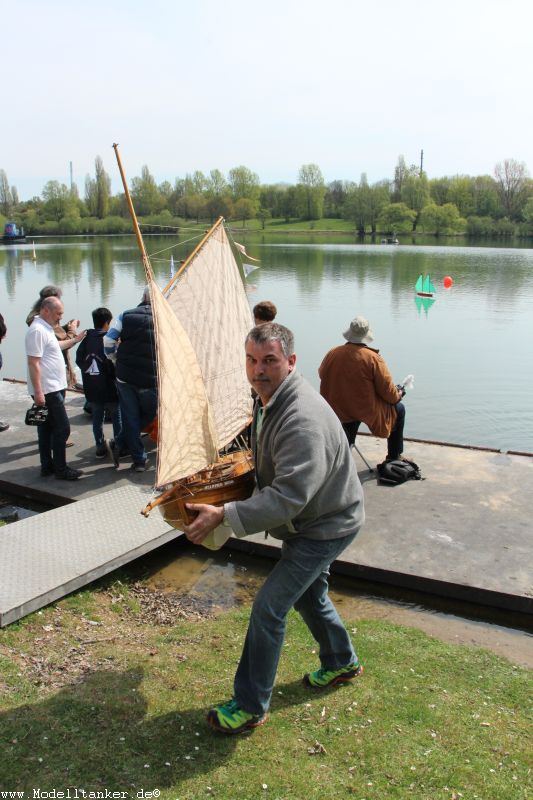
column 102, row 450
column 69, row 474
column 113, row 453
column 140, row 466
column 46, row 472
column 3, row 426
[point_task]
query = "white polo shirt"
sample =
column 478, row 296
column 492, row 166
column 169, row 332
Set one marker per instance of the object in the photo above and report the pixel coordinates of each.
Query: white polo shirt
column 41, row 342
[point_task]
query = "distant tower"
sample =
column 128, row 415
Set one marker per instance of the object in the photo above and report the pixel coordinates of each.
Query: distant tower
column 421, row 162
column 71, row 180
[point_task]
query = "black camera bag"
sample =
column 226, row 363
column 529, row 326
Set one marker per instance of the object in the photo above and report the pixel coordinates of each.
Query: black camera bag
column 36, row 415
column 394, row 472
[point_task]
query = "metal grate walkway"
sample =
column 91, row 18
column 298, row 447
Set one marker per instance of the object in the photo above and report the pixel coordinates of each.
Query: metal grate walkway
column 47, row 556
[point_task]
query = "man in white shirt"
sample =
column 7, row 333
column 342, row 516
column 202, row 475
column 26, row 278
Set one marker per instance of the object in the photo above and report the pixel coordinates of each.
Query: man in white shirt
column 47, row 384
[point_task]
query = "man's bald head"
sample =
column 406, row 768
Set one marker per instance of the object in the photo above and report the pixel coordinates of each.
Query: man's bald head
column 51, row 310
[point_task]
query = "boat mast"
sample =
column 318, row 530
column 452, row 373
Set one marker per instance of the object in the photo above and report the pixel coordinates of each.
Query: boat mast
column 138, row 234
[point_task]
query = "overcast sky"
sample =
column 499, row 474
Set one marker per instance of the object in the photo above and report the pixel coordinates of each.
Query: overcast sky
column 203, row 84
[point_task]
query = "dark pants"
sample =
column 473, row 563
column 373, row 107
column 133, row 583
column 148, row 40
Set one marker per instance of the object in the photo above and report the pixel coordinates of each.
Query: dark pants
column 98, row 412
column 53, row 434
column 395, row 440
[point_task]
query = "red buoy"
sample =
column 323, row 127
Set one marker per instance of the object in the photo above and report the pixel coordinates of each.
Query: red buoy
column 448, row 282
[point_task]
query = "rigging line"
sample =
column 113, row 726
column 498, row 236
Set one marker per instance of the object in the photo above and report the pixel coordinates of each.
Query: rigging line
column 155, row 225
column 168, row 227
column 178, row 244
column 202, row 224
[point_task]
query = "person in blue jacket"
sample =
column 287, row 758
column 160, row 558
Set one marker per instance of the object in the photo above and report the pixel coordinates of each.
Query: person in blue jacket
column 130, row 343
column 98, row 376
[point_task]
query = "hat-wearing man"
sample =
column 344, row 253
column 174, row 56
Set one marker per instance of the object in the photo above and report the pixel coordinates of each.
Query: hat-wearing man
column 355, row 381
column 309, row 496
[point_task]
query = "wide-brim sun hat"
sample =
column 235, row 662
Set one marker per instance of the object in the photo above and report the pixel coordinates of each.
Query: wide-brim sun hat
column 359, row 332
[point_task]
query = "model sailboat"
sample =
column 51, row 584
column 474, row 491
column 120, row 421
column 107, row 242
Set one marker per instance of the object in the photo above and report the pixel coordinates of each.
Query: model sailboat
column 201, row 320
column 424, row 287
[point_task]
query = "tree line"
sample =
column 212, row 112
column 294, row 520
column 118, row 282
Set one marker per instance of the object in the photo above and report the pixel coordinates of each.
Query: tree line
column 500, row 204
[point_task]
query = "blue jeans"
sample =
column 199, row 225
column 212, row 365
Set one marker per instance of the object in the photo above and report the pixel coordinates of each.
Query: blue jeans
column 53, row 434
column 138, row 407
column 299, row 579
column 98, row 413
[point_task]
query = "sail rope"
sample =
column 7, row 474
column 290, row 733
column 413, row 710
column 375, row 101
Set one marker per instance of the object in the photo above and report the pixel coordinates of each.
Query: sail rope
column 168, row 227
column 178, row 244
column 162, row 250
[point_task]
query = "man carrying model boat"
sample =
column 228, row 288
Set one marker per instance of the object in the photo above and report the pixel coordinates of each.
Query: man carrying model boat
column 309, row 496
column 307, row 492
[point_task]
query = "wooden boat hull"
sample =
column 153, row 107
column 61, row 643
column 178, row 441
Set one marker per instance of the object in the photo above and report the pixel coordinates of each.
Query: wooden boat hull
column 232, row 478
column 425, row 294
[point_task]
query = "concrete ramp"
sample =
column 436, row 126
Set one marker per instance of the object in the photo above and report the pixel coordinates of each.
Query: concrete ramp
column 47, row 556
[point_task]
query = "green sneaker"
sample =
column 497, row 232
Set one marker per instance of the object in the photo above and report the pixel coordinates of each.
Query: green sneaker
column 230, row 718
column 323, row 678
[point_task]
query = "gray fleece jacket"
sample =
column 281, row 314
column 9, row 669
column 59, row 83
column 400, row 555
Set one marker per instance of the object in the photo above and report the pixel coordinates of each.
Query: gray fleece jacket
column 307, row 482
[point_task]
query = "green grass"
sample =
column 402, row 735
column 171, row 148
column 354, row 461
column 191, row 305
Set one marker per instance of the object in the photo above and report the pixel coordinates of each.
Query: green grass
column 121, row 705
column 315, row 226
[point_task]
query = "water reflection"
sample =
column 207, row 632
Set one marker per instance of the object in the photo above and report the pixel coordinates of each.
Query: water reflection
column 423, row 303
column 496, row 273
column 454, row 345
column 100, row 268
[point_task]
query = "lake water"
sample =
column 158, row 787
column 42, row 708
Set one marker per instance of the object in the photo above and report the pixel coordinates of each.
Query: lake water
column 470, row 351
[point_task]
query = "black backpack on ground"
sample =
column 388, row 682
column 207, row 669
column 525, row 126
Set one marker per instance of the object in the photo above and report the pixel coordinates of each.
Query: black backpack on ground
column 394, row 472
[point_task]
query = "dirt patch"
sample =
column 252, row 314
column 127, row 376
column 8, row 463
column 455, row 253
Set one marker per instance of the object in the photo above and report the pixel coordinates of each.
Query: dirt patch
column 165, row 608
column 77, row 663
column 62, row 646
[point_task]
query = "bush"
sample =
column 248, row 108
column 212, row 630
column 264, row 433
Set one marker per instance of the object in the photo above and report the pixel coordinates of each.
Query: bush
column 112, row 225
column 69, row 224
column 480, row 226
column 442, row 219
column 525, row 230
column 48, row 228
column 159, row 223
column 504, row 227
column 396, row 218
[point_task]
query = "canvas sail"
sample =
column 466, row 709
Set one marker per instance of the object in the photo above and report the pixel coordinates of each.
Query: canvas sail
column 187, row 435
column 208, row 297
column 186, row 432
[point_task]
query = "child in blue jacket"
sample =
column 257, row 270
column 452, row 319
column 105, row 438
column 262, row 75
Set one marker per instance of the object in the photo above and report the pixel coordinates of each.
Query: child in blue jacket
column 98, row 375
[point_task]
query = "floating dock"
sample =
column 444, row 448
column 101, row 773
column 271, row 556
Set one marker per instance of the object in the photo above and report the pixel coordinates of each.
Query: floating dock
column 462, row 533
